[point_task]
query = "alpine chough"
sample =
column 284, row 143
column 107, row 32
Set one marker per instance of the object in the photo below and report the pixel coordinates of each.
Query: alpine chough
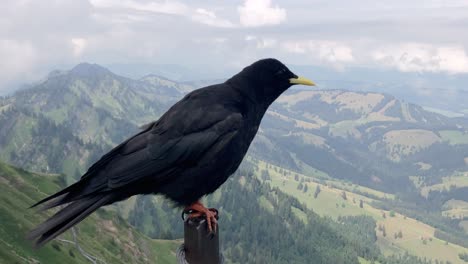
column 188, row 153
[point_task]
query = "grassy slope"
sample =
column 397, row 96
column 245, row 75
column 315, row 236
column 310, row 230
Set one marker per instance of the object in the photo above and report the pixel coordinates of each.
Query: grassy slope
column 103, row 235
column 456, row 208
column 331, row 203
column 454, row 137
column 457, row 180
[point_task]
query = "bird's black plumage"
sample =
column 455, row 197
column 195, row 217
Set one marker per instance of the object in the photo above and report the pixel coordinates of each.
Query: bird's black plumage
column 188, row 153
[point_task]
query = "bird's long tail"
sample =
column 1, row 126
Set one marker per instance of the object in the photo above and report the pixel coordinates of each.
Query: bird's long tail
column 67, row 217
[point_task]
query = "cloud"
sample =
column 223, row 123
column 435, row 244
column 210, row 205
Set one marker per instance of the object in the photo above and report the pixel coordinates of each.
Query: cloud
column 420, row 57
column 207, row 17
column 200, row 15
column 166, row 7
column 254, row 13
column 322, row 51
column 403, row 56
column 261, row 42
column 79, row 44
column 265, row 43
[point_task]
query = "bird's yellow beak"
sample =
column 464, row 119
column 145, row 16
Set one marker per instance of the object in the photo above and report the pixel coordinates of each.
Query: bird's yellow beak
column 301, row 80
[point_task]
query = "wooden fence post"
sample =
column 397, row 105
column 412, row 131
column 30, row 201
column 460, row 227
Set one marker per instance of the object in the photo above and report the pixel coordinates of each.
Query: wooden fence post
column 199, row 246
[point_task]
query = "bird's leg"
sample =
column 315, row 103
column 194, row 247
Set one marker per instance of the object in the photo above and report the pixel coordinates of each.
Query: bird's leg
column 197, row 209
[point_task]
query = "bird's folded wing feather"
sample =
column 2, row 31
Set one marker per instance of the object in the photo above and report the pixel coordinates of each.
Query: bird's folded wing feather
column 106, row 158
column 163, row 157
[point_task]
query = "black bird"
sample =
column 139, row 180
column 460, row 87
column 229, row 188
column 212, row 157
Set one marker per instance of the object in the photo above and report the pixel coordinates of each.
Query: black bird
column 188, row 153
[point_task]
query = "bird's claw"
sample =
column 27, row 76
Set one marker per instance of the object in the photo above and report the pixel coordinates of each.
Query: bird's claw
column 215, row 211
column 210, row 214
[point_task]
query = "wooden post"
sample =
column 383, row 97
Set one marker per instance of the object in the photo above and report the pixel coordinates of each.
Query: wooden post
column 200, row 247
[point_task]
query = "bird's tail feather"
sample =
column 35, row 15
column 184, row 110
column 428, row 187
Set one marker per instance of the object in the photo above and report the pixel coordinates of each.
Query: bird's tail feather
column 67, row 217
column 65, row 191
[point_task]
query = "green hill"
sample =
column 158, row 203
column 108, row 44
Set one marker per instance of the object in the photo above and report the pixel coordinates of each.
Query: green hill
column 369, row 138
column 104, row 235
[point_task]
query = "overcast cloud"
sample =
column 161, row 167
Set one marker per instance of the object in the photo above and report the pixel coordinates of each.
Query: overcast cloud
column 408, row 36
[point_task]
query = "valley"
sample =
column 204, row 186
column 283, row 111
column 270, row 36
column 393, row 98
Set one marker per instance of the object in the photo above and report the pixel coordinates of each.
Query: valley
column 339, row 199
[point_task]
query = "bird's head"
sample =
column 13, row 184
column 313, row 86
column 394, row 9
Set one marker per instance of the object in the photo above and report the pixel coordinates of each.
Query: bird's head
column 266, row 79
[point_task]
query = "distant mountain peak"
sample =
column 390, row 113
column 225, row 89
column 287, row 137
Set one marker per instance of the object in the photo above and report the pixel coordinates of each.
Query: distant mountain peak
column 89, row 69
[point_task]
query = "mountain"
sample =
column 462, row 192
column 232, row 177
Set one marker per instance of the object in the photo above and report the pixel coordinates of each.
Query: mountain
column 90, row 95
column 370, row 138
column 104, row 235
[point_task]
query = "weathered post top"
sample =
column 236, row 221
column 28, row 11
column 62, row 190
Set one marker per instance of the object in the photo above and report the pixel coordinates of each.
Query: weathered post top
column 200, row 246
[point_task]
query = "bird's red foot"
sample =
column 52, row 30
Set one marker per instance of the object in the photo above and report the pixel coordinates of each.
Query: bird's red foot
column 197, row 210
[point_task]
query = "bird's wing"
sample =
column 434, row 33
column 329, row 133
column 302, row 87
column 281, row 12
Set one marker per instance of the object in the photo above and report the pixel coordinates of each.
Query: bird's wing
column 164, row 156
column 106, row 158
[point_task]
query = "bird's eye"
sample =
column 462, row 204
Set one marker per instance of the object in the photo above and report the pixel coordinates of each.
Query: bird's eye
column 281, row 71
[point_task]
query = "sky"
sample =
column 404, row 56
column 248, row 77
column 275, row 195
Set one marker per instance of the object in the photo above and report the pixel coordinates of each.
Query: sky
column 37, row 36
